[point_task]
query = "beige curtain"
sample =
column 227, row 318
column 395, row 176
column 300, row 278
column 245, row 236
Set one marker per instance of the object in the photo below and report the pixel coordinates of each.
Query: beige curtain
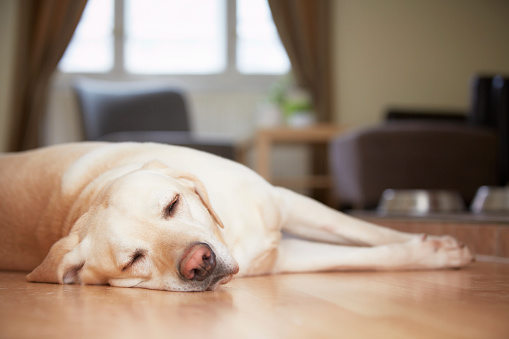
column 45, row 29
column 304, row 28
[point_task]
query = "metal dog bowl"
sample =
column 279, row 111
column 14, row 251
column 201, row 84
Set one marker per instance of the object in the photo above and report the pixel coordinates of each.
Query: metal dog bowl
column 420, row 202
column 490, row 199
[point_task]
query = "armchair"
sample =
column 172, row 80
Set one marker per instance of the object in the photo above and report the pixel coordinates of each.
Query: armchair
column 411, row 155
column 143, row 112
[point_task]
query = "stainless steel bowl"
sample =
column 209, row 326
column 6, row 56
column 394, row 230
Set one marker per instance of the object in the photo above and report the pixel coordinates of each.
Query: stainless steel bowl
column 420, row 202
column 490, row 199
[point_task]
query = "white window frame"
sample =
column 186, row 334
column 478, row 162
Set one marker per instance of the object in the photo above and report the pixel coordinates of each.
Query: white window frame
column 229, row 80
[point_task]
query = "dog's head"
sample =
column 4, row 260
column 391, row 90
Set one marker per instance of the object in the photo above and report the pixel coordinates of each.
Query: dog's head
column 152, row 228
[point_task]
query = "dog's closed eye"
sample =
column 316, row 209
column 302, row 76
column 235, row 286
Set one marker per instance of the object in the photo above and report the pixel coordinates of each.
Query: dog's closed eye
column 136, row 257
column 171, row 208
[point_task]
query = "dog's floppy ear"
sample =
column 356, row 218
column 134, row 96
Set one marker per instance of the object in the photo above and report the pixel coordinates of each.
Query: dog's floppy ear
column 62, row 263
column 195, row 184
column 64, row 259
column 188, row 180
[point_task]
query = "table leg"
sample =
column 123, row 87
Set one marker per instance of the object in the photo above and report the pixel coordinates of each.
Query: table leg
column 263, row 161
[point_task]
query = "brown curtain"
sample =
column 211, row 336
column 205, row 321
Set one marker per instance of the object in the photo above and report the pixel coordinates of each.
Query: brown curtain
column 45, row 29
column 304, row 28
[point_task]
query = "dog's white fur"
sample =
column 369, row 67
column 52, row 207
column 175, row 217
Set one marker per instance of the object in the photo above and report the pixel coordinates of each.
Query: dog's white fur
column 98, row 213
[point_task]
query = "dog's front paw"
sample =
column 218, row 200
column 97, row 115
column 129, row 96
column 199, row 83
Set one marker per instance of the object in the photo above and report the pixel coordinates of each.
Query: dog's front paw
column 440, row 252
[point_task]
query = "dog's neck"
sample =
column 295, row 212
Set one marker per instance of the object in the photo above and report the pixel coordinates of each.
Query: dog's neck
column 33, row 180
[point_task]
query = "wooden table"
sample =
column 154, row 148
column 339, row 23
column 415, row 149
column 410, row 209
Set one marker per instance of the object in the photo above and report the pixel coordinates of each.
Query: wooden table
column 267, row 138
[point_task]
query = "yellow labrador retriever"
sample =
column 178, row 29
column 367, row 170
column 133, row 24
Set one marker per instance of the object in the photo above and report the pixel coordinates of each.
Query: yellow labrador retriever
column 171, row 218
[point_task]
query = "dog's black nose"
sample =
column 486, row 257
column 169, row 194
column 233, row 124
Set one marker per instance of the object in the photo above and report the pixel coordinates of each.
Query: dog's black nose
column 199, row 262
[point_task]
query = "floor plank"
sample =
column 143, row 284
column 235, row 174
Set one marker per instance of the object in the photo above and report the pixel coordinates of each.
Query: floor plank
column 468, row 303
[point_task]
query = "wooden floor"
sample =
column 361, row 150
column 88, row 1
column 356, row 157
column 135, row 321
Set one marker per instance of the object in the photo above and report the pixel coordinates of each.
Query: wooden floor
column 468, row 303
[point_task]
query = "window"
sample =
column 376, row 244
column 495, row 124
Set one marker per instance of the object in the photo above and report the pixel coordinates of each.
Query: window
column 176, row 37
column 91, row 48
column 259, row 49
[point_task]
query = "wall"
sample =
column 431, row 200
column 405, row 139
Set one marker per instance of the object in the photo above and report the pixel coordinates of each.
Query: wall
column 8, row 15
column 413, row 53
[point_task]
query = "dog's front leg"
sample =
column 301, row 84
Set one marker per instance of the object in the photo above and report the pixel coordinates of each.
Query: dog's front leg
column 309, row 219
column 296, row 255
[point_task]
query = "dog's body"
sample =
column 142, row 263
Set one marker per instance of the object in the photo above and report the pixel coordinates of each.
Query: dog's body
column 167, row 217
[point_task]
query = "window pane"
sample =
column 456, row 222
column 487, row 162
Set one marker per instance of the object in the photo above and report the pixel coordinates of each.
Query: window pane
column 91, row 47
column 259, row 49
column 175, row 36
